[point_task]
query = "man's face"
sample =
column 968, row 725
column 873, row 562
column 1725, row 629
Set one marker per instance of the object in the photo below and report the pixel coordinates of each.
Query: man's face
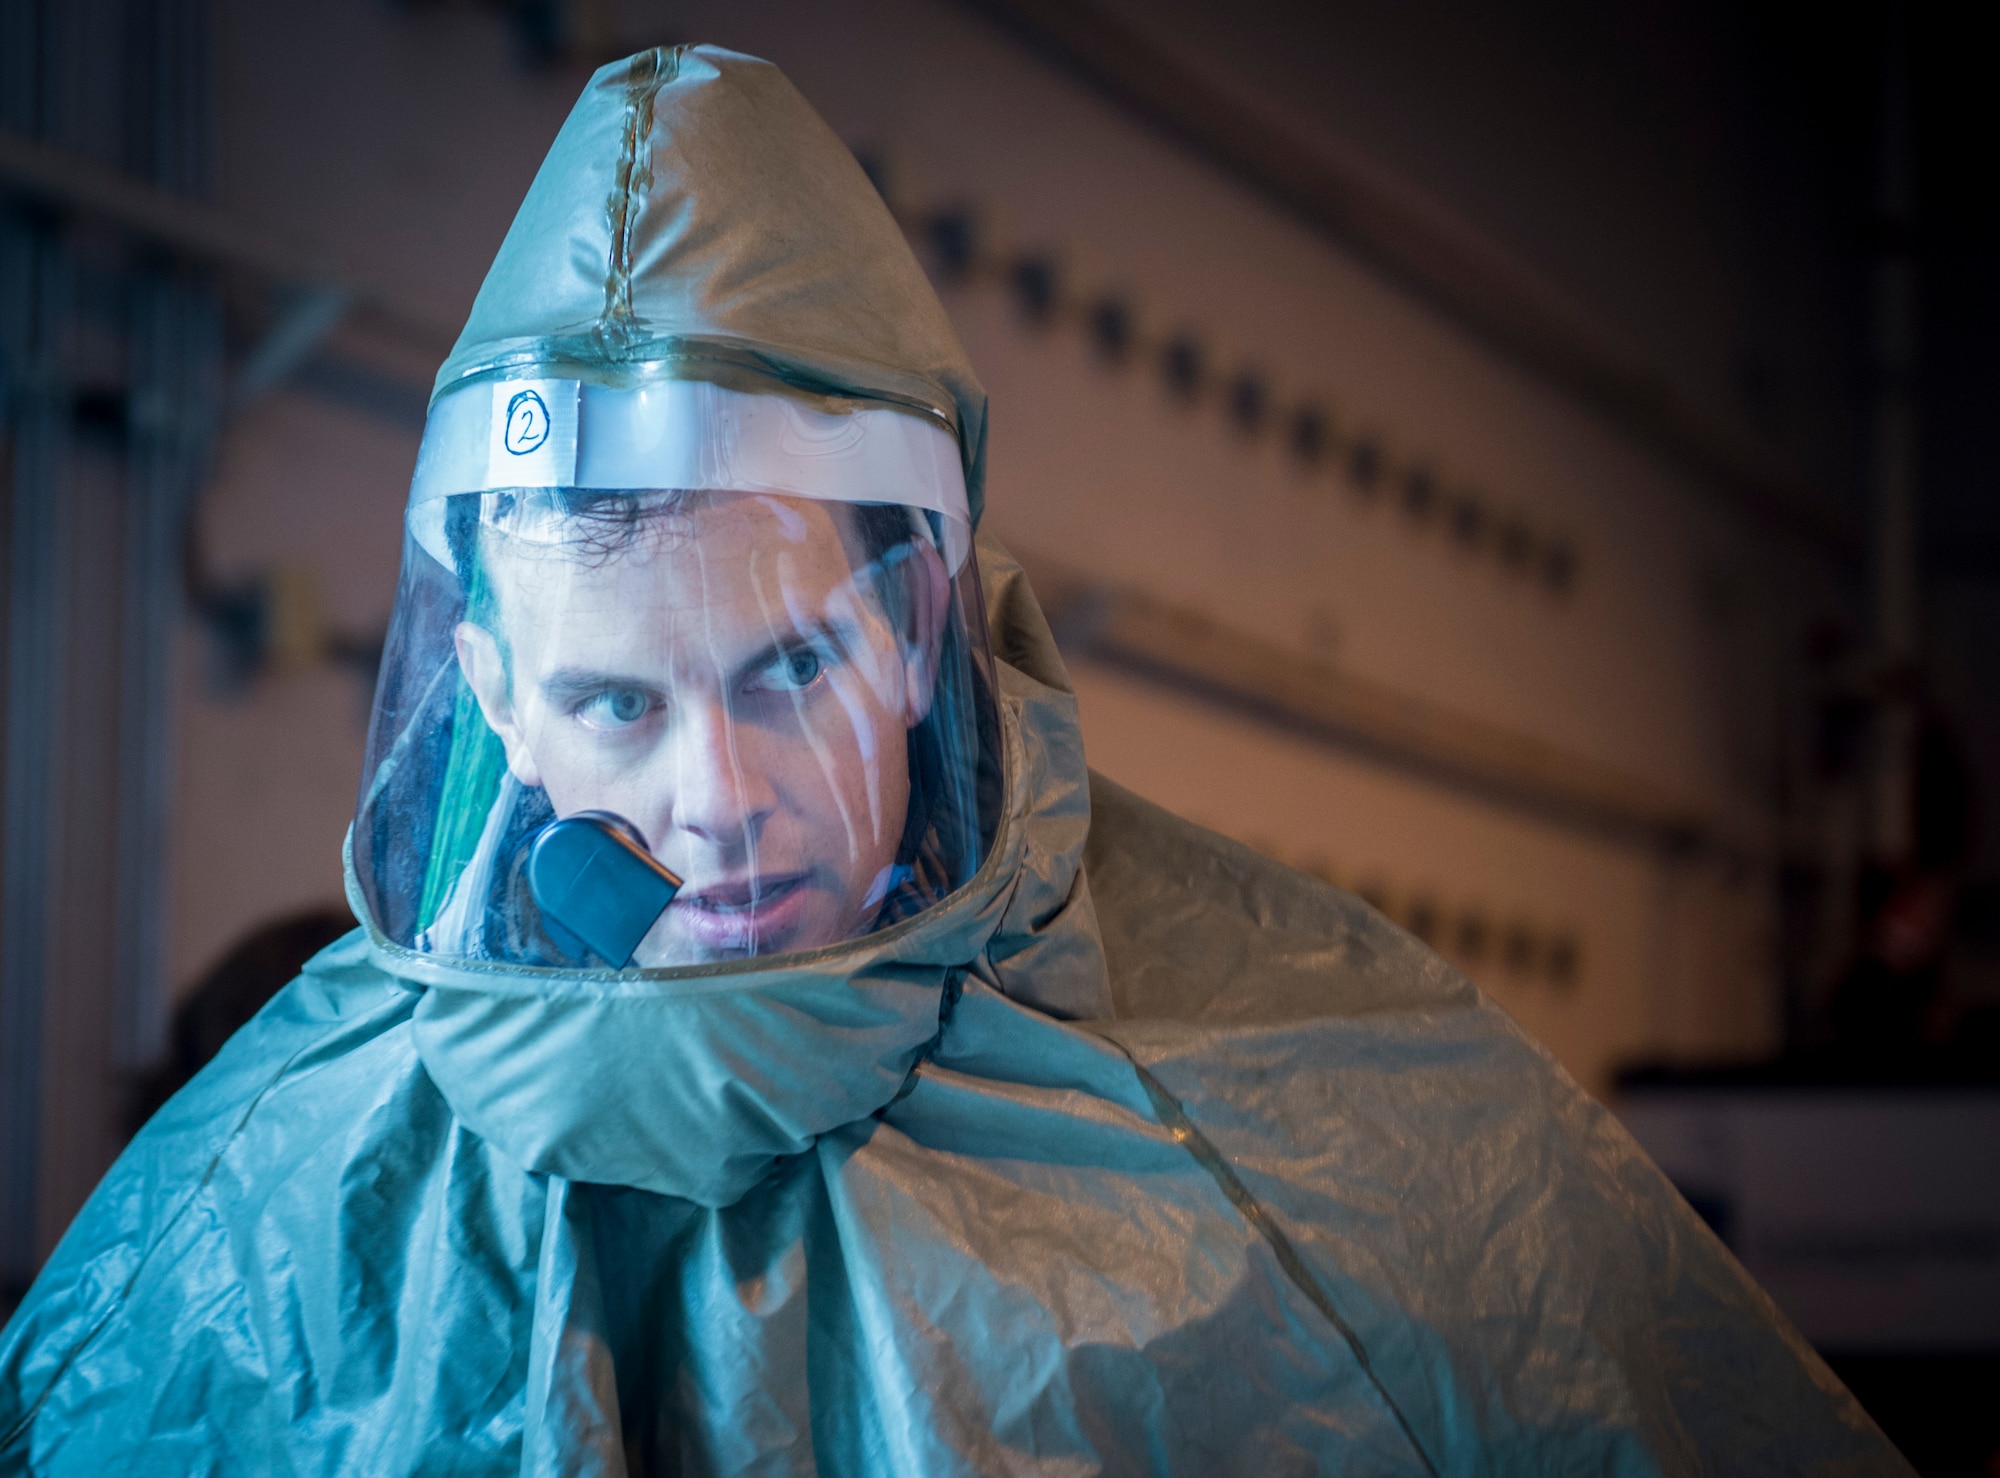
column 725, row 680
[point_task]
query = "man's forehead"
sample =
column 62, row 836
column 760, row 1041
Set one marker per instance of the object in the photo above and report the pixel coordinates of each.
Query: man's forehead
column 726, row 552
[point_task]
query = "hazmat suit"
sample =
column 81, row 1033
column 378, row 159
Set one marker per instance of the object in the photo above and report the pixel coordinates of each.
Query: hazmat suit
column 899, row 1099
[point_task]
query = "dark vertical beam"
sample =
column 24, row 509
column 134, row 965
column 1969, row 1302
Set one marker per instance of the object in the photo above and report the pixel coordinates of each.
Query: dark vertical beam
column 175, row 361
column 1896, row 525
column 34, row 312
column 33, row 290
column 174, row 353
column 92, row 598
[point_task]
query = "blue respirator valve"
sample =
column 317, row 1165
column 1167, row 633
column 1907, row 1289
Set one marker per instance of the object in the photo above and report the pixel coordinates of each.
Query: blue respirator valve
column 596, row 881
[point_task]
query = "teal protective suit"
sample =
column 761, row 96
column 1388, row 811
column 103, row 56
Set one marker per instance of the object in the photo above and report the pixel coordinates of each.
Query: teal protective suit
column 1139, row 1154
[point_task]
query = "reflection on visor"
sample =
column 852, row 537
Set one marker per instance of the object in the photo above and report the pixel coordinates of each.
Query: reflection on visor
column 788, row 698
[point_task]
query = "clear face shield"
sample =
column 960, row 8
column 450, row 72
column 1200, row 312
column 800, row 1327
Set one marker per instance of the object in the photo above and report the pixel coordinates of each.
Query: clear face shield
column 677, row 675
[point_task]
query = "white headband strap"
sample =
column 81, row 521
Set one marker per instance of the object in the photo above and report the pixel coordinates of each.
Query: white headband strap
column 506, row 434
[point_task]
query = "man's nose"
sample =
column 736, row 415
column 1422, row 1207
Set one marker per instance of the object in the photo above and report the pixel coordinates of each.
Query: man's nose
column 721, row 793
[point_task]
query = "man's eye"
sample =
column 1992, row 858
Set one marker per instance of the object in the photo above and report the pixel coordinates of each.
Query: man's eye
column 615, row 707
column 791, row 671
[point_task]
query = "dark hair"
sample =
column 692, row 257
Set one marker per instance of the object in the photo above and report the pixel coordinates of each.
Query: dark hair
column 607, row 522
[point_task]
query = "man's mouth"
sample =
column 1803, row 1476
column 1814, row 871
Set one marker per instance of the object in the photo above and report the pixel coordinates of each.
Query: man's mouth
column 742, row 916
column 741, row 896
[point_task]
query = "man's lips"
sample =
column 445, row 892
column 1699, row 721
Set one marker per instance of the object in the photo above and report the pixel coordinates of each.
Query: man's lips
column 741, row 915
column 741, row 896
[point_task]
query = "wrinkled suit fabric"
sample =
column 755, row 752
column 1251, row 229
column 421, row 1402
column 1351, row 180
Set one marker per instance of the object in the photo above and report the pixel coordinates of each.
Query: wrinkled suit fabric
column 1140, row 1154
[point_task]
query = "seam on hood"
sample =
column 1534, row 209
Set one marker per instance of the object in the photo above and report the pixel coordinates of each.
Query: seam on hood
column 1174, row 1119
column 650, row 71
column 954, row 987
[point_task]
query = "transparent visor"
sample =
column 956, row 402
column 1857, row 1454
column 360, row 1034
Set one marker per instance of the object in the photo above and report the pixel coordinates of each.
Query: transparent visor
column 670, row 724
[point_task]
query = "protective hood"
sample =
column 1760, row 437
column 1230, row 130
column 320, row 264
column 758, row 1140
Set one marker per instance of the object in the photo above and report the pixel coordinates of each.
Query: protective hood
column 695, row 218
column 698, row 255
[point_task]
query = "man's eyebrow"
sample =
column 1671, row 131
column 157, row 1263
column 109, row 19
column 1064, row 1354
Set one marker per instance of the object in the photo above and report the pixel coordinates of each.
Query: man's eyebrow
column 581, row 682
column 840, row 635
column 568, row 684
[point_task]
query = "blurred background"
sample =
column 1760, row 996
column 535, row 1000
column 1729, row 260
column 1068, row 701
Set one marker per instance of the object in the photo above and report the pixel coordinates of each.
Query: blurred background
column 1528, row 465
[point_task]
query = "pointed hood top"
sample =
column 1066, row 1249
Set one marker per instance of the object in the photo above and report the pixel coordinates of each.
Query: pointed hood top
column 695, row 219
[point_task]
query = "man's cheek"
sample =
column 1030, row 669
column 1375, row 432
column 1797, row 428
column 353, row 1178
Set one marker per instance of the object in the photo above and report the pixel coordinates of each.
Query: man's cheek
column 564, row 759
column 853, row 720
column 880, row 672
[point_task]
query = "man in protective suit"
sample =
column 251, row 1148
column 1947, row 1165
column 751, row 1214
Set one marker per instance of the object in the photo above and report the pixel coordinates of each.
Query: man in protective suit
column 768, row 1049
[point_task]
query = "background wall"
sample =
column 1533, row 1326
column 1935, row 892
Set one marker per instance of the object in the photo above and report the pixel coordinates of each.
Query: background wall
column 1560, row 696
column 403, row 148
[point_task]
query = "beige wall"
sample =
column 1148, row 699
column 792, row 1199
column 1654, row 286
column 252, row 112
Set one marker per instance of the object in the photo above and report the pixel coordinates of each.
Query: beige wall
column 1658, row 962
column 403, row 151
